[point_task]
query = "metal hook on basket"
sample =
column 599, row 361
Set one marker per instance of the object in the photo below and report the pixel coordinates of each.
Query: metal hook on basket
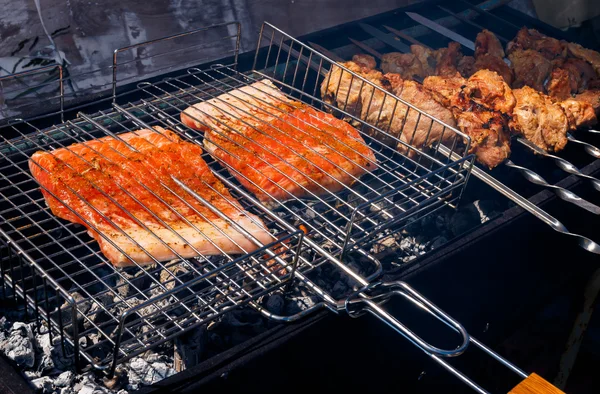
column 383, row 291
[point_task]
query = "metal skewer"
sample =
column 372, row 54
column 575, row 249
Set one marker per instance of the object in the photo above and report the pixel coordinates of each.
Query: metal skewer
column 366, row 48
column 530, row 175
column 561, row 192
column 563, row 164
column 521, row 201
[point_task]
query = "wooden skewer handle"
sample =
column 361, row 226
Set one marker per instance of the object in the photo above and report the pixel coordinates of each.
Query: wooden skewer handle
column 535, row 384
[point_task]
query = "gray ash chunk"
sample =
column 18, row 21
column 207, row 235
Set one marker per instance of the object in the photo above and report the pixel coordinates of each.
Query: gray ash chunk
column 43, row 384
column 97, row 311
column 82, row 306
column 142, row 372
column 65, row 379
column 18, row 345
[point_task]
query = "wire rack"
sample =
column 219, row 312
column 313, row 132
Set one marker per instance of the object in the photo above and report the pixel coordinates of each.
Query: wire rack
column 71, row 288
column 402, row 188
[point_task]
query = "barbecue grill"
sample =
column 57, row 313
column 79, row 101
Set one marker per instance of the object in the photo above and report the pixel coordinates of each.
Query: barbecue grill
column 340, row 228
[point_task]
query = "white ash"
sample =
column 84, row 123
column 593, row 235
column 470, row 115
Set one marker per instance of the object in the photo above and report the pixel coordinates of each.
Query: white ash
column 17, row 345
column 41, row 359
column 141, row 372
column 421, row 236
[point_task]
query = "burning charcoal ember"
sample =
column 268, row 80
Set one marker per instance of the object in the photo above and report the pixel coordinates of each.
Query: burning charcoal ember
column 18, row 345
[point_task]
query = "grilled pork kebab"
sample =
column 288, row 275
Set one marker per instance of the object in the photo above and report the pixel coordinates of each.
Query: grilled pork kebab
column 473, row 94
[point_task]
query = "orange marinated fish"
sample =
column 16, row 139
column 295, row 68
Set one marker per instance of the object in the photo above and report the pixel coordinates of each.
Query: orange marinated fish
column 280, row 148
column 115, row 187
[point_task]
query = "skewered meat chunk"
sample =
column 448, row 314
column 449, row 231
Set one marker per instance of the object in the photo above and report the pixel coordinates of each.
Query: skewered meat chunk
column 580, row 71
column 530, row 67
column 426, row 56
column 495, row 63
column 561, row 84
column 488, row 89
column 592, row 97
column 490, row 139
column 466, row 66
column 366, row 61
column 405, row 64
column 550, row 48
column 447, row 89
column 488, row 129
column 419, row 130
column 447, row 60
column 487, row 43
column 579, row 113
column 590, row 56
column 404, row 123
column 345, row 91
column 540, row 120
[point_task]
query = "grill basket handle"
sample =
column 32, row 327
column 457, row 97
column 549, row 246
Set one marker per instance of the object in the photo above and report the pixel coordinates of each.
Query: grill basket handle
column 369, row 298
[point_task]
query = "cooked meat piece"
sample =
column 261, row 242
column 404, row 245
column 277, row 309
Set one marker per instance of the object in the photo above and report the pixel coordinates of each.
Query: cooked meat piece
column 590, row 56
column 592, row 97
column 446, row 89
column 530, row 68
column 466, row 66
column 580, row 71
column 115, row 167
column 419, row 130
column 344, row 91
column 385, row 112
column 490, row 139
column 280, row 148
column 488, row 89
column 488, row 129
column 366, row 61
column 561, row 84
column 447, row 60
column 540, row 120
column 405, row 64
column 550, row 48
column 487, row 43
column 426, row 56
column 579, row 113
column 497, row 64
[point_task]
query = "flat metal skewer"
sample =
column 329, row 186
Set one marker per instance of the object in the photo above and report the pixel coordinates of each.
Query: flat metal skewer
column 563, row 164
column 524, row 203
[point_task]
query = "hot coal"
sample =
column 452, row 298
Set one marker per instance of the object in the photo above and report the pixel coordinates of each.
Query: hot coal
column 41, row 357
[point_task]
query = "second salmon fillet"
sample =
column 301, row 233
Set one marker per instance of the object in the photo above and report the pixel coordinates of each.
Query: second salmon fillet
column 279, row 148
column 121, row 190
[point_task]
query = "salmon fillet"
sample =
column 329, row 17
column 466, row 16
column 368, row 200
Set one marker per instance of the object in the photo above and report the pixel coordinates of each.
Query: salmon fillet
column 279, row 148
column 99, row 185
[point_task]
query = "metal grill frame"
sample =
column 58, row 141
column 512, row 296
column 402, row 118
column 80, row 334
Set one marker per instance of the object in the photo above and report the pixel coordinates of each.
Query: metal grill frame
column 34, row 276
